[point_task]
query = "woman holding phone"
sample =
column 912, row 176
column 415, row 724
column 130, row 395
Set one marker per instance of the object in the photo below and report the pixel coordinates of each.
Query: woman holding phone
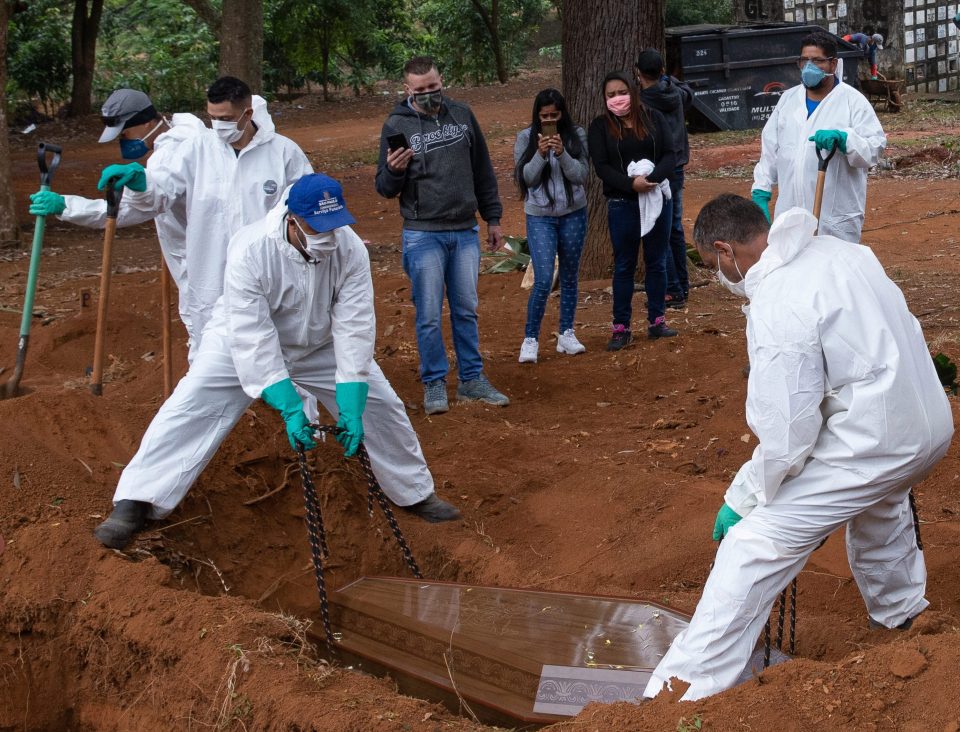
column 629, row 133
column 551, row 168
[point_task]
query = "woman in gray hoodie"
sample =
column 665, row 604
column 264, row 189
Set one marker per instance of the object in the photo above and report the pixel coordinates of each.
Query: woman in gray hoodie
column 551, row 168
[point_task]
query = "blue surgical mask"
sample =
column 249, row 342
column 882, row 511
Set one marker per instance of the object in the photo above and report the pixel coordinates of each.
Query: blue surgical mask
column 812, row 75
column 136, row 149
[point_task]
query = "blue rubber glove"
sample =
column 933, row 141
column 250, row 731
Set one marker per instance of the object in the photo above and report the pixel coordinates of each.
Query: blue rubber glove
column 47, row 203
column 351, row 399
column 283, row 397
column 762, row 199
column 131, row 175
column 727, row 518
column 825, row 139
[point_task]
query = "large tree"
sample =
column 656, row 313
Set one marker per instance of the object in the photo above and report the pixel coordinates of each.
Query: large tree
column 9, row 235
column 598, row 37
column 239, row 28
column 83, row 42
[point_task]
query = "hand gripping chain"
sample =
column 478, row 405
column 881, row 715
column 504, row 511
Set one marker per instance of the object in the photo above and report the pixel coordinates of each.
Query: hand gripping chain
column 317, row 534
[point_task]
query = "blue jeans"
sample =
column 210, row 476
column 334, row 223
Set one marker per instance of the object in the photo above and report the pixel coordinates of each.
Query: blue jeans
column 549, row 237
column 678, row 283
column 623, row 218
column 434, row 260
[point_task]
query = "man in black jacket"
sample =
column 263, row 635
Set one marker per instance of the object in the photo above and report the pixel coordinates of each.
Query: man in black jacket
column 673, row 98
column 434, row 156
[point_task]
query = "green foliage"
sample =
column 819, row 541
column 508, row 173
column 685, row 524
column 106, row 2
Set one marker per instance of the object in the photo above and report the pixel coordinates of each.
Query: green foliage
column 515, row 256
column 38, row 57
column 456, row 36
column 946, row 372
column 334, row 42
column 692, row 12
column 694, row 724
column 159, row 47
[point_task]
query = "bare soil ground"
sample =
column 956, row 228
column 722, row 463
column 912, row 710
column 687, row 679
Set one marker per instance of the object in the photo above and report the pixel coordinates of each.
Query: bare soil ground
column 602, row 476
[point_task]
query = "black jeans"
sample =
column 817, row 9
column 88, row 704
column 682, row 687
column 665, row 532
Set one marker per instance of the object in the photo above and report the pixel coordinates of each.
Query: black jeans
column 623, row 218
column 678, row 283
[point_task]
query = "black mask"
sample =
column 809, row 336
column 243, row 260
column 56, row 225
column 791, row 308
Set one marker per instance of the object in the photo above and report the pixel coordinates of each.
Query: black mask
column 429, row 102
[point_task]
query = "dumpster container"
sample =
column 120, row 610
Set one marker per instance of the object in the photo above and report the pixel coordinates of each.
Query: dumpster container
column 738, row 72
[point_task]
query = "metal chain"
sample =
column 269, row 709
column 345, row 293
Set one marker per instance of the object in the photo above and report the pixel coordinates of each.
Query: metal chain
column 793, row 616
column 317, row 533
column 781, row 608
column 916, row 519
column 781, row 617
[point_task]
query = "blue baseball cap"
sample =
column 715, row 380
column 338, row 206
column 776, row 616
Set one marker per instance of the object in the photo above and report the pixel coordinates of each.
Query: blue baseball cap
column 318, row 200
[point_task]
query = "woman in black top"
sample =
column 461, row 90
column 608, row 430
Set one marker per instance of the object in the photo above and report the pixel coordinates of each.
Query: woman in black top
column 629, row 132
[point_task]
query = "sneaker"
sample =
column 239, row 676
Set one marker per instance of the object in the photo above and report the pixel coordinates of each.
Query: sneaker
column 434, row 509
column 480, row 389
column 620, row 337
column 528, row 350
column 435, row 397
column 676, row 302
column 127, row 518
column 660, row 329
column 568, row 343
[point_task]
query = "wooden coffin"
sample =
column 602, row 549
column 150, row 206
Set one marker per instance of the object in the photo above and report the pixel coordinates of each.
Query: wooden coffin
column 511, row 655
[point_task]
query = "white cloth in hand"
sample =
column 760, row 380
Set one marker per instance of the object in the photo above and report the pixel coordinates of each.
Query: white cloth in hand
column 651, row 202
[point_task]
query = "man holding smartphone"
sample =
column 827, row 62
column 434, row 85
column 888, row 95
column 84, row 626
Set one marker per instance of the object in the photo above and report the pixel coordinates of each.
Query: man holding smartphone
column 434, row 157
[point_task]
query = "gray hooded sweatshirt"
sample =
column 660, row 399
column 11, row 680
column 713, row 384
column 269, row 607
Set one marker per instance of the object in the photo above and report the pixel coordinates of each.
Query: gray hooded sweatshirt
column 450, row 176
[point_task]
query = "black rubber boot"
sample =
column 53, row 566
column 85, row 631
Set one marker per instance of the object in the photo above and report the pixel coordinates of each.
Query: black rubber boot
column 127, row 519
column 434, row 509
column 905, row 625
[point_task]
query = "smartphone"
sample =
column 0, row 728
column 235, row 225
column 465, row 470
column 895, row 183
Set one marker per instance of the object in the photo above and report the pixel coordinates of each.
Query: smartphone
column 548, row 129
column 397, row 141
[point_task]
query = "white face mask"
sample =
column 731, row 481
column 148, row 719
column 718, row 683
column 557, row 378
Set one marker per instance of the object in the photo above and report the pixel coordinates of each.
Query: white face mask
column 316, row 245
column 737, row 288
column 227, row 130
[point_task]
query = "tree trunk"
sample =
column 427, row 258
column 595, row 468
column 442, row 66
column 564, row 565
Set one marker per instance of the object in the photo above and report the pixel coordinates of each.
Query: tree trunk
column 9, row 234
column 599, row 37
column 83, row 39
column 491, row 19
column 241, row 41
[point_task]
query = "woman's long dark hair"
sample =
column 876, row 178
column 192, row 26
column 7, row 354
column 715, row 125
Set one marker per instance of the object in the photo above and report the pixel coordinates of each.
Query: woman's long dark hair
column 568, row 135
column 638, row 114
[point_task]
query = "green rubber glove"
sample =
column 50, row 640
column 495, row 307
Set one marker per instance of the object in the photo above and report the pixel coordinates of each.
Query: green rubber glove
column 762, row 199
column 47, row 203
column 825, row 139
column 131, row 175
column 727, row 518
column 283, row 397
column 351, row 399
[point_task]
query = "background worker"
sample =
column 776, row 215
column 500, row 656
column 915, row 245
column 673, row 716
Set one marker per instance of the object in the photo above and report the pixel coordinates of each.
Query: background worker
column 297, row 308
column 672, row 98
column 443, row 174
column 223, row 180
column 869, row 45
column 816, row 115
column 849, row 413
column 130, row 118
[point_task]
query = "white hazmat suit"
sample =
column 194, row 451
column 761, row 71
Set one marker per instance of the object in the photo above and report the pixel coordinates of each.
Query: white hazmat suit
column 849, row 413
column 171, row 225
column 788, row 159
column 279, row 317
column 222, row 190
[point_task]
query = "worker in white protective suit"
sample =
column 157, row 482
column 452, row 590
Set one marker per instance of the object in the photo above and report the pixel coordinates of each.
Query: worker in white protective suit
column 130, row 118
column 849, row 413
column 297, row 308
column 225, row 180
column 816, row 115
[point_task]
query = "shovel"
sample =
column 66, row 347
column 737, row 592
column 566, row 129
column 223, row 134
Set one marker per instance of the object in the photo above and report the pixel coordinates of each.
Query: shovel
column 821, row 180
column 113, row 206
column 46, row 176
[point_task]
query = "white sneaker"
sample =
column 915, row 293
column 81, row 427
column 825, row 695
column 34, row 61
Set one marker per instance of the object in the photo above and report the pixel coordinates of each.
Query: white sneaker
column 528, row 350
column 568, row 343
